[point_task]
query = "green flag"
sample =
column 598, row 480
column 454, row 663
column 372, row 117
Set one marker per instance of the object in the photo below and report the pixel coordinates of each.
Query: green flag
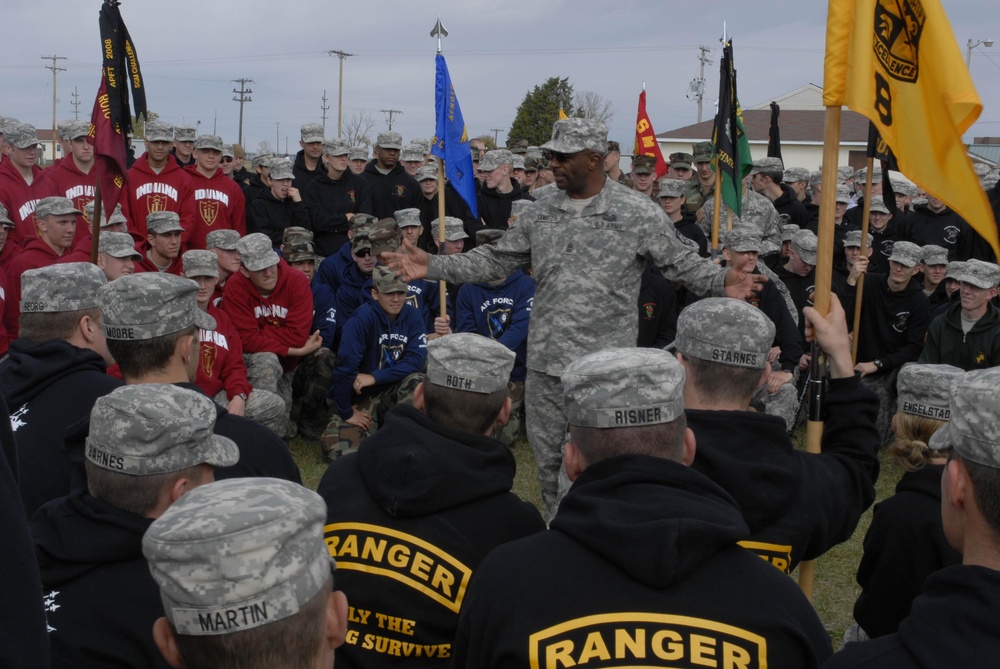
column 731, row 149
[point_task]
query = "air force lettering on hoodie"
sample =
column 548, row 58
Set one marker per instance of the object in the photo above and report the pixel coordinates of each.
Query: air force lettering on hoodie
column 647, row 639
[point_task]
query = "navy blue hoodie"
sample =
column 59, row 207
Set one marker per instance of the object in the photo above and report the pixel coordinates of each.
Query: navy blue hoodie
column 501, row 312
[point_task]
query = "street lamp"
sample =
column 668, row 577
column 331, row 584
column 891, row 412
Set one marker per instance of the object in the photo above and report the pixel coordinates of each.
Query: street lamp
column 972, row 44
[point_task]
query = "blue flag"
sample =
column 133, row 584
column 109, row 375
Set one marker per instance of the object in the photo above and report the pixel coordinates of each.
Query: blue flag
column 451, row 142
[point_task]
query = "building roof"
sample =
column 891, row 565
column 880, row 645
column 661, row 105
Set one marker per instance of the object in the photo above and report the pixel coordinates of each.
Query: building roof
column 796, row 125
column 989, row 153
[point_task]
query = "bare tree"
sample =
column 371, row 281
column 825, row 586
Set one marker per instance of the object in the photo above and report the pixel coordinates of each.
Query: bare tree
column 594, row 105
column 264, row 146
column 358, row 128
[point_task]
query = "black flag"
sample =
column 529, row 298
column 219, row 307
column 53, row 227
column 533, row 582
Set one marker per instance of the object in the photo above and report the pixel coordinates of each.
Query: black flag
column 879, row 150
column 774, row 134
column 121, row 68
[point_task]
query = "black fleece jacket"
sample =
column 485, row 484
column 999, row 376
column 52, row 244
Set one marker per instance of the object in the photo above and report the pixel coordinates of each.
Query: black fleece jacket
column 494, row 206
column 329, row 201
column 391, row 192
column 893, row 324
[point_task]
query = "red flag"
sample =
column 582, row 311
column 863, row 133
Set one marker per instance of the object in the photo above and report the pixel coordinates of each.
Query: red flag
column 109, row 150
column 645, row 138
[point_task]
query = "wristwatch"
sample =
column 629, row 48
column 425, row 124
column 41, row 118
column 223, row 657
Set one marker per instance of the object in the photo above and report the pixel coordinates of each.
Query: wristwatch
column 878, row 364
column 243, row 396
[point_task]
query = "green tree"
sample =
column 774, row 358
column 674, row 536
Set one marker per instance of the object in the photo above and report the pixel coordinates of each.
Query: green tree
column 539, row 111
column 488, row 141
column 139, row 124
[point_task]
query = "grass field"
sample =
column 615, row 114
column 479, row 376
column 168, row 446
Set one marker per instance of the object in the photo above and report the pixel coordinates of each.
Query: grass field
column 835, row 588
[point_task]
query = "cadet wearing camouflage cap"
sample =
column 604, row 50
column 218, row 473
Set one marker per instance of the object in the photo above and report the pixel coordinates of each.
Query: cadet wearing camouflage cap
column 334, row 197
column 308, row 162
column 680, row 166
column 281, row 206
column 628, row 453
column 18, row 172
column 392, row 188
column 612, row 167
column 116, row 254
column 408, row 220
column 700, row 188
column 428, row 447
column 384, row 236
column 358, row 157
column 576, row 271
column 183, row 151
column 116, row 223
column 723, row 345
column 70, row 176
column 296, row 234
column 412, row 157
column 161, row 250
column 950, row 340
column 672, row 199
column 643, row 175
column 758, row 211
column 219, row 201
column 500, row 189
column 956, row 598
column 934, row 267
column 148, row 445
column 766, row 178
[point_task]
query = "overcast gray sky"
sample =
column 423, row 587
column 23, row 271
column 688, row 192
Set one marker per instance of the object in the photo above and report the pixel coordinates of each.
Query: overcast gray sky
column 497, row 51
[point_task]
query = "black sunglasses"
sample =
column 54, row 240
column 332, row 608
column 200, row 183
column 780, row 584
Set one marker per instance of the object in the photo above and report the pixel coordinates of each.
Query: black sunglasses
column 559, row 156
column 363, row 253
column 227, row 159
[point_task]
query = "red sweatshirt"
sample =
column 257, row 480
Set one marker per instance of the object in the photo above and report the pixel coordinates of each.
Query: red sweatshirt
column 220, row 362
column 144, row 264
column 275, row 323
column 218, row 205
column 170, row 190
column 10, row 250
column 20, row 200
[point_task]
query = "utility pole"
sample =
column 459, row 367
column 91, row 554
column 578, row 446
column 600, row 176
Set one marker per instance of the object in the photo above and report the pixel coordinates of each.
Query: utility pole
column 390, row 113
column 696, row 89
column 340, row 89
column 242, row 96
column 76, row 104
column 496, row 133
column 215, row 122
column 324, row 108
column 55, row 71
column 277, row 142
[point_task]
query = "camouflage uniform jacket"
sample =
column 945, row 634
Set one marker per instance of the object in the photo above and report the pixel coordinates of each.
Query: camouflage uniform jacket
column 588, row 270
column 757, row 210
column 695, row 195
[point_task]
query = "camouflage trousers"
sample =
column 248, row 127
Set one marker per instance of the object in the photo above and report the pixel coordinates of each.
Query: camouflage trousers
column 508, row 433
column 313, row 378
column 262, row 407
column 784, row 403
column 264, row 371
column 340, row 438
column 547, row 424
column 884, row 386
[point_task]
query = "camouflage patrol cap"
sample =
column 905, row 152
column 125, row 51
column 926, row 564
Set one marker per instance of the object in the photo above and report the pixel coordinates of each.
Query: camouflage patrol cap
column 469, row 362
column 531, row 163
column 816, row 178
column 981, row 169
column 295, row 234
column 281, row 168
column 742, row 240
column 978, row 273
column 61, row 128
column 623, row 387
column 4, row 220
column 385, row 236
column 519, row 148
column 358, row 153
column 154, row 428
column 788, row 231
column 256, row 252
column 681, row 160
column 454, row 229
column 407, row 218
column 672, row 187
column 389, row 140
column 878, row 204
column 905, row 253
column 701, row 152
column 299, row 252
column 261, row 160
column 845, row 173
column 425, row 172
column 518, row 207
column 725, row 330
column 924, row 389
column 311, row 132
column 74, row 129
column 360, row 242
column 158, row 131
column 55, row 206
column 852, row 238
column 518, row 162
column 904, row 188
column 118, row 245
column 423, row 143
column 162, row 222
column 185, row 133
column 643, row 164
column 488, row 236
column 804, row 243
column 238, row 554
column 228, row 151
column 412, row 153
column 211, row 142
column 21, row 136
column 973, row 430
column 614, row 146
column 65, row 287
column 795, row 174
column 955, row 269
column 386, row 281
column 843, row 194
column 362, row 222
column 494, row 159
column 861, row 176
column 571, row 135
column 227, row 240
column 337, row 147
column 147, row 305
column 931, row 254
column 200, row 263
column 768, row 166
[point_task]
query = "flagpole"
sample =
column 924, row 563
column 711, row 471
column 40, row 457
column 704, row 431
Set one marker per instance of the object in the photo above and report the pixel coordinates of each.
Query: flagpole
column 440, row 32
column 865, row 218
column 95, row 224
column 717, row 209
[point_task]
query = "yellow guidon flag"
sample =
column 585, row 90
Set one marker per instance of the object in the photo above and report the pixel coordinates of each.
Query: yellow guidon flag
column 897, row 62
column 562, row 114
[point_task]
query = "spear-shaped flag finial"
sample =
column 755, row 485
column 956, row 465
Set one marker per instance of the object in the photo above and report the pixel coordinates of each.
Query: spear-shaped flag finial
column 439, row 32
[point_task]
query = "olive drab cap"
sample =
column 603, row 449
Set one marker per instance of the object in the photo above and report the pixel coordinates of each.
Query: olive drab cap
column 162, row 222
column 296, row 234
column 623, row 387
column 973, row 430
column 570, row 135
column 256, row 252
column 55, row 206
column 200, row 263
column 311, row 132
column 360, row 242
column 157, row 131
column 469, row 362
column 385, row 236
column 804, row 243
column 65, row 287
column 299, row 252
column 362, row 222
column 681, row 160
column 153, row 428
column 905, row 253
column 118, row 245
column 725, row 330
column 147, row 305
column 924, row 389
column 978, row 273
column 407, row 218
column 238, row 554
column 701, row 152
column 931, row 254
column 227, row 240
column 643, row 164
column 386, row 281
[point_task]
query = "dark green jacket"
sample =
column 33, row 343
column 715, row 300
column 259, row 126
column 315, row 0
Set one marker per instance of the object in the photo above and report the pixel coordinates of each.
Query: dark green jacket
column 947, row 344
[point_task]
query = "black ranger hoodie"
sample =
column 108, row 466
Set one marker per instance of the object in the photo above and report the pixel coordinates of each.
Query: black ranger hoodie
column 640, row 567
column 410, row 516
column 49, row 386
column 893, row 324
column 797, row 505
column 953, row 624
column 494, row 206
column 99, row 597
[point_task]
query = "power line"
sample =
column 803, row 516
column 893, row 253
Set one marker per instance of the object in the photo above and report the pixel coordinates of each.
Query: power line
column 324, row 108
column 390, row 113
column 243, row 96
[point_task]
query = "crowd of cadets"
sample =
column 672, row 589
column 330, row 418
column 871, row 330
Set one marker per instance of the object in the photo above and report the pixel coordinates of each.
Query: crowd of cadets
column 297, row 325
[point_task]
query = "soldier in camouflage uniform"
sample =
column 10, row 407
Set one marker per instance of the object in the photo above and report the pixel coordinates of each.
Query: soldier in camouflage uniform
column 611, row 165
column 757, row 211
column 701, row 187
column 245, row 577
column 587, row 245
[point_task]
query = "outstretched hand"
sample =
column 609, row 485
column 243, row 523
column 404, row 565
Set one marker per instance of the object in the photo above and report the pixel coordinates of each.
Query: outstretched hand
column 742, row 285
column 408, row 262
